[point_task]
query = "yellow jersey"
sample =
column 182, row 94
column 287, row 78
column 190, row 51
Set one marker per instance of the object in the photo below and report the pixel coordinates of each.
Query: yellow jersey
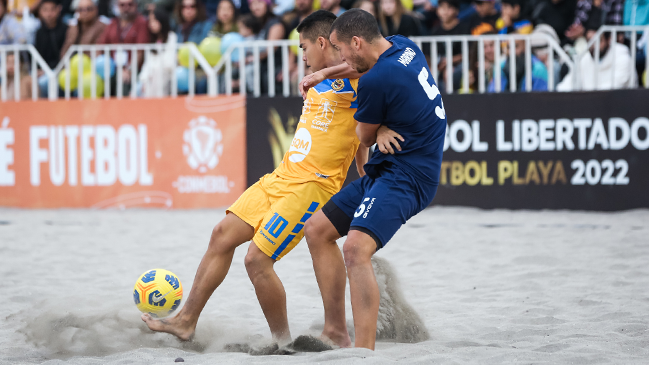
column 325, row 141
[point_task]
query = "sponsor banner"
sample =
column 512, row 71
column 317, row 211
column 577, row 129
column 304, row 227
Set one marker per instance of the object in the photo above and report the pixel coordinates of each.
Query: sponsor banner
column 168, row 153
column 271, row 130
column 586, row 151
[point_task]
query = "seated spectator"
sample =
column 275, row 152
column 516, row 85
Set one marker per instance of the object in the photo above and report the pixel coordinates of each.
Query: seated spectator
column 11, row 30
column 303, row 8
column 49, row 39
column 332, row 6
column 394, row 20
column 271, row 27
column 88, row 28
column 366, row 5
column 129, row 28
column 249, row 27
column 155, row 76
column 485, row 12
column 512, row 19
column 609, row 51
column 541, row 48
column 226, row 19
column 474, row 63
column 192, row 24
column 539, row 72
column 559, row 14
column 25, row 80
column 447, row 11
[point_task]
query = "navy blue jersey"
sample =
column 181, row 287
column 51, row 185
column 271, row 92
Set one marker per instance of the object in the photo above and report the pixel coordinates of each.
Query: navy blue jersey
column 400, row 93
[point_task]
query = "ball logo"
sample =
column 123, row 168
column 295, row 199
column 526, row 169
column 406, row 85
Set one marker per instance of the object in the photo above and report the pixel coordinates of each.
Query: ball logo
column 300, row 146
column 202, row 146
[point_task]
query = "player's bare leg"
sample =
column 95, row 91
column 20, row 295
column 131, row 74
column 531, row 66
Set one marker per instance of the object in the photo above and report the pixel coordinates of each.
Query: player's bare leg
column 358, row 250
column 329, row 270
column 230, row 233
column 270, row 293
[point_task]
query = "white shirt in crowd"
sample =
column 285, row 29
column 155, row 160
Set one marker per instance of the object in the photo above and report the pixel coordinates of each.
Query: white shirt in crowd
column 623, row 70
column 156, row 75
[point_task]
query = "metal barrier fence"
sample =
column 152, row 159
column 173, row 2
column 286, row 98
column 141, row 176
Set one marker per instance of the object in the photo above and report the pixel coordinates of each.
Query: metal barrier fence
column 504, row 46
column 635, row 43
column 272, row 68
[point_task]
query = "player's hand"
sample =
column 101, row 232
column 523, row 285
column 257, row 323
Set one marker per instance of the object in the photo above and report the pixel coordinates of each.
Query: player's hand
column 386, row 138
column 310, row 81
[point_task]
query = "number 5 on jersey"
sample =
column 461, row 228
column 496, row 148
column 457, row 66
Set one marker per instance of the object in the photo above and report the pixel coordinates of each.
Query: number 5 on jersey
column 432, row 91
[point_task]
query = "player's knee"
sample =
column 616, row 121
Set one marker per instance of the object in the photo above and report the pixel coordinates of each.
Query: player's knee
column 219, row 241
column 256, row 262
column 310, row 232
column 355, row 254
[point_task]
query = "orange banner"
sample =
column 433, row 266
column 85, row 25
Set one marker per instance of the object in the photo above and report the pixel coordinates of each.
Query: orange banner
column 168, row 153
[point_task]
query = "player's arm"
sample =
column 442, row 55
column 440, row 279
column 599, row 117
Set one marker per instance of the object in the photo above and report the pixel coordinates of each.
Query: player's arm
column 362, row 155
column 366, row 133
column 342, row 71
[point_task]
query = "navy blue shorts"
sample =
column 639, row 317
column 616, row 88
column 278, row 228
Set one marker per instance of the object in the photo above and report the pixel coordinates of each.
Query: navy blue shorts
column 378, row 206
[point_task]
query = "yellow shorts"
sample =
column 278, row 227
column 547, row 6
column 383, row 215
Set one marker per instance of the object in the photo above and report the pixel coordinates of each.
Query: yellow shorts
column 277, row 209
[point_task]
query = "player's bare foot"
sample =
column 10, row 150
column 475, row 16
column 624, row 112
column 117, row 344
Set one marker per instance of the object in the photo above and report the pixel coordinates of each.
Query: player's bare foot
column 336, row 339
column 174, row 326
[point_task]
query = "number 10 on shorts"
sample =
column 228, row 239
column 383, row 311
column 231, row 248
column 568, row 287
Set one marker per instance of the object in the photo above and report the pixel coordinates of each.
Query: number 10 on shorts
column 276, row 225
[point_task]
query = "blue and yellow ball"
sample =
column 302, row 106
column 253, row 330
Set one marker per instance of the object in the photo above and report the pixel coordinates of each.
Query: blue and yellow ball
column 158, row 292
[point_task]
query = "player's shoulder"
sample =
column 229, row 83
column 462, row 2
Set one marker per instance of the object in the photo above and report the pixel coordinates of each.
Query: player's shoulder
column 343, row 89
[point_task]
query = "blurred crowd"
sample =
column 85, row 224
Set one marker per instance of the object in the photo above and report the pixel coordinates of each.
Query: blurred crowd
column 53, row 26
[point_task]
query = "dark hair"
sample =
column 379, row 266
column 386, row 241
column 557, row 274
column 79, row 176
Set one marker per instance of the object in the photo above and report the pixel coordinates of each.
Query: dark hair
column 201, row 13
column 513, row 2
column 452, row 3
column 251, row 22
column 165, row 25
column 218, row 26
column 356, row 23
column 317, row 24
column 396, row 17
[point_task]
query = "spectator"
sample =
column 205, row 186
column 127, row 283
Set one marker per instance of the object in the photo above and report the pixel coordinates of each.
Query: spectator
column 226, row 19
column 192, row 23
column 271, row 27
column 512, row 19
column 25, row 80
column 539, row 72
column 129, row 28
column 303, row 8
column 447, row 11
column 11, row 30
column 249, row 27
column 155, row 77
column 485, row 12
column 541, row 48
column 474, row 63
column 394, row 20
column 49, row 39
column 559, row 14
column 609, row 52
column 88, row 29
column 332, row 6
column 366, row 5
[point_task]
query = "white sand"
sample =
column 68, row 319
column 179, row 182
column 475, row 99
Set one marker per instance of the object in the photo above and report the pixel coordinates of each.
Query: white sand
column 491, row 287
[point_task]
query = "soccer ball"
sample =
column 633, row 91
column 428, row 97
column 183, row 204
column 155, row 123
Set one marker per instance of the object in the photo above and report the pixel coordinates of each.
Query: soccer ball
column 158, row 292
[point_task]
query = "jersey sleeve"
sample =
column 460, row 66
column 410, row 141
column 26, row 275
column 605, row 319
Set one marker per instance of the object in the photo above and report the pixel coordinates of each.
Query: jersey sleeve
column 371, row 100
